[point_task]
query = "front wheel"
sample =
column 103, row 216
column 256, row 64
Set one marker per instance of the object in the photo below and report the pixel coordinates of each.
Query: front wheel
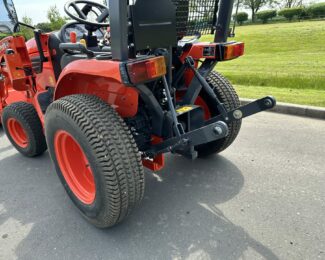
column 228, row 96
column 96, row 158
column 24, row 129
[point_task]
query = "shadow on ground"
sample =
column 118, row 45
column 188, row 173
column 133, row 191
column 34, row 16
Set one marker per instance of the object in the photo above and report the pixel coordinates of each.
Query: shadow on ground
column 179, row 217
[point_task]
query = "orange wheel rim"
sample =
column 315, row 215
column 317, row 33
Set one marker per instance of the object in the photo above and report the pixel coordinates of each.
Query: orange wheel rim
column 17, row 132
column 75, row 167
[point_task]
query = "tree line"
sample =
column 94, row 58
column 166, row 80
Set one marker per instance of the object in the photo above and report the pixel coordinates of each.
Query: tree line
column 54, row 23
column 289, row 9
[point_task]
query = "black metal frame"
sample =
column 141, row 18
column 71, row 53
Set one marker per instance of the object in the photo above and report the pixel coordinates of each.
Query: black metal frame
column 214, row 129
column 119, row 29
column 223, row 20
column 120, row 25
column 177, row 140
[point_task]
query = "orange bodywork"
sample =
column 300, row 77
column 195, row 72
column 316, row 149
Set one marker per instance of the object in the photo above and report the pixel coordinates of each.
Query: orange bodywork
column 16, row 83
column 94, row 77
column 158, row 162
column 102, row 79
column 14, row 60
column 86, row 76
column 47, row 77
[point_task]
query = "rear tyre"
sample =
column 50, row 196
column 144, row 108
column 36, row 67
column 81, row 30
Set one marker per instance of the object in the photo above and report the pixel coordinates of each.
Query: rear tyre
column 96, row 158
column 227, row 95
column 24, row 129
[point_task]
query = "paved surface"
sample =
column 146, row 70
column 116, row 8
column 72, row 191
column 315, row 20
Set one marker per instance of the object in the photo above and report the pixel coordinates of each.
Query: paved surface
column 261, row 199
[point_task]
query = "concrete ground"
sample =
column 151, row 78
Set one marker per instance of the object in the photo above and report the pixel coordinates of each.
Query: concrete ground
column 261, row 199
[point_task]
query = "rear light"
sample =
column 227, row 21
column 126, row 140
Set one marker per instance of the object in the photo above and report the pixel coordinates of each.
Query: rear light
column 233, row 50
column 146, row 70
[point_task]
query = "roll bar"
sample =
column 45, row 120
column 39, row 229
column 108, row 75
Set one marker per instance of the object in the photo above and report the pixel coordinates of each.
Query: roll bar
column 223, row 20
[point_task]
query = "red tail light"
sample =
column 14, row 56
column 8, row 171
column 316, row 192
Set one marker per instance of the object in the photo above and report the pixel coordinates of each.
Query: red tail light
column 146, row 70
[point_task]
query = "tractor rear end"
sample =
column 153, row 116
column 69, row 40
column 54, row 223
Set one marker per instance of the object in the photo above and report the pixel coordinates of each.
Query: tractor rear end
column 107, row 111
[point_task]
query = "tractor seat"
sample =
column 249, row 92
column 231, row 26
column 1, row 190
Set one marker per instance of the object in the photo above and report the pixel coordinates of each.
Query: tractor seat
column 82, row 52
column 61, row 59
column 54, row 44
column 68, row 58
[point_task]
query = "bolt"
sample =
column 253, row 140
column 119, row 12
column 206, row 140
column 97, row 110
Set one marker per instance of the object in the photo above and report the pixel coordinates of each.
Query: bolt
column 218, row 130
column 238, row 114
column 268, row 102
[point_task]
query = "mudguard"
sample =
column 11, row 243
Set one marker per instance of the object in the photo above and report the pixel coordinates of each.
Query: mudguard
column 101, row 78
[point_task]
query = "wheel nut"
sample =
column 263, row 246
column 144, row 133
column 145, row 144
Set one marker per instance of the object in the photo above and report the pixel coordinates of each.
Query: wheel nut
column 218, row 130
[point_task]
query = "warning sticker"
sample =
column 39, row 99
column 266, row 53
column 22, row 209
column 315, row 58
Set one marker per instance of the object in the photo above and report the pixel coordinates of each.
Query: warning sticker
column 183, row 110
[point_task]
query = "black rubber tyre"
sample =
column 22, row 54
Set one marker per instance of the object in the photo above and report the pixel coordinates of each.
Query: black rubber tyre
column 26, row 115
column 227, row 95
column 111, row 152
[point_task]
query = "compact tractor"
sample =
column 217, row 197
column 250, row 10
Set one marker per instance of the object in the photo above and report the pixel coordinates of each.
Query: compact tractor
column 116, row 89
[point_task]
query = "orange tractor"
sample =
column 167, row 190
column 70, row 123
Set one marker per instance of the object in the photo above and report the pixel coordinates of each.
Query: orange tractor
column 116, row 89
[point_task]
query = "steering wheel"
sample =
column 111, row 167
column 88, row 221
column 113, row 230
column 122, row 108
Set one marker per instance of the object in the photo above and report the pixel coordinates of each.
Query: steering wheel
column 82, row 13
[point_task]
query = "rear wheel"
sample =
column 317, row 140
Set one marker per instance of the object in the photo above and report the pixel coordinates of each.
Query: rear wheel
column 227, row 95
column 96, row 158
column 24, row 129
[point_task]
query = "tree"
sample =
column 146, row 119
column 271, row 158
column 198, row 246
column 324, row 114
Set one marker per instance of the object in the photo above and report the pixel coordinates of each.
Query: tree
column 292, row 3
column 256, row 5
column 241, row 17
column 55, row 18
column 290, row 13
column 27, row 32
column 44, row 27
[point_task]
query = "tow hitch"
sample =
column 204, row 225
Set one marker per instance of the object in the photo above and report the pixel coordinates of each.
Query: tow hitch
column 216, row 128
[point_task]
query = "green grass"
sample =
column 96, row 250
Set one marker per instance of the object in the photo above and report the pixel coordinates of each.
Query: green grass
column 310, row 97
column 286, row 60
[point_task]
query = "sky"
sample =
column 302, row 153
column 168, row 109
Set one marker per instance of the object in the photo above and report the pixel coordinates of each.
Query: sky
column 37, row 9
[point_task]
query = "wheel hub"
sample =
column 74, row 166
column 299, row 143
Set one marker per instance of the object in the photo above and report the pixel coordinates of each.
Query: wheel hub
column 17, row 132
column 75, row 167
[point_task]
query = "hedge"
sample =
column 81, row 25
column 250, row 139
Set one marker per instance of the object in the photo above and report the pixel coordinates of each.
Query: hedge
column 290, row 13
column 317, row 10
column 266, row 15
column 3, row 35
column 241, row 17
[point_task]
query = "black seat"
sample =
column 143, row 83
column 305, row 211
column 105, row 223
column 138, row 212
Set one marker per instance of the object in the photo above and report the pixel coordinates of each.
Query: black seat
column 54, row 43
column 68, row 58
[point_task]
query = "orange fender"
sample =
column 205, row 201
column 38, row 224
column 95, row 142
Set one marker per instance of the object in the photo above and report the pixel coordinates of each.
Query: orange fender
column 99, row 78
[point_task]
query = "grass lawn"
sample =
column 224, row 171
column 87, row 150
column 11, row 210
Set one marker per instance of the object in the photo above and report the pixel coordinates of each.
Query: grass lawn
column 286, row 60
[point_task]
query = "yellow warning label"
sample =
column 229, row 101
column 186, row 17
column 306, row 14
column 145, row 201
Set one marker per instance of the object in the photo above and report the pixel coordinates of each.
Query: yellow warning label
column 183, row 110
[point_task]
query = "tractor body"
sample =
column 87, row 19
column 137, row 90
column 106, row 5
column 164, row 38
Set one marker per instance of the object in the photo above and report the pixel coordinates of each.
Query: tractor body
column 150, row 80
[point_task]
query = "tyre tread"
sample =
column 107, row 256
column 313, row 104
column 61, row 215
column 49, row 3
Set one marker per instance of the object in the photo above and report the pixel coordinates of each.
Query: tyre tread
column 116, row 153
